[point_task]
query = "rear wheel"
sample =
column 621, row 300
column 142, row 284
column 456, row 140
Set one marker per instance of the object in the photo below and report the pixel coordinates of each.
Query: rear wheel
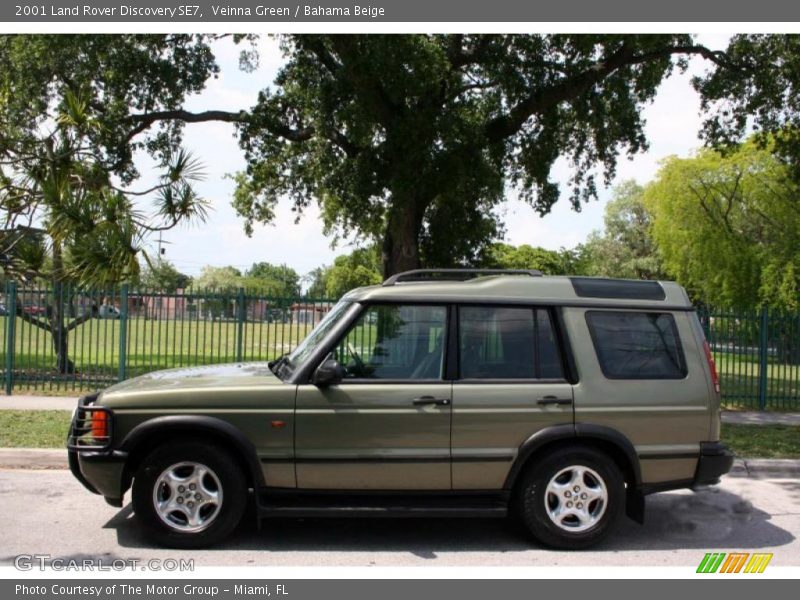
column 189, row 495
column 572, row 498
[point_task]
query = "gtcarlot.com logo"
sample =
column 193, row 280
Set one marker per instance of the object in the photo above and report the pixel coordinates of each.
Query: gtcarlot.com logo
column 734, row 562
column 29, row 562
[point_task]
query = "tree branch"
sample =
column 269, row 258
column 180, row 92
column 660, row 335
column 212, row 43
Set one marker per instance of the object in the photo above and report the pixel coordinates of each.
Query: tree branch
column 540, row 101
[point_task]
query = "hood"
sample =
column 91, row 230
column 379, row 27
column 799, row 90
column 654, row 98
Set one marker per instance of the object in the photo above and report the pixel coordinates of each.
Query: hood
column 235, row 375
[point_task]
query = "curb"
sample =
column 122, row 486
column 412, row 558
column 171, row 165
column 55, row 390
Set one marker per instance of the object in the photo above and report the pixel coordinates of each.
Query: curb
column 56, row 458
column 33, row 458
column 757, row 468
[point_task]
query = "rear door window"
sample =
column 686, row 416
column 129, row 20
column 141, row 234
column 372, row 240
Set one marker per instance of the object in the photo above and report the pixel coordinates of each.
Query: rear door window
column 497, row 342
column 637, row 345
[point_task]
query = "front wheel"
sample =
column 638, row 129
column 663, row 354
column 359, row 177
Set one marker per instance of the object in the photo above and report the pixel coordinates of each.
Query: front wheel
column 572, row 498
column 189, row 495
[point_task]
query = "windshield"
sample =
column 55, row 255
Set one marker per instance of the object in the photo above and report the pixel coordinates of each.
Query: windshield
column 315, row 338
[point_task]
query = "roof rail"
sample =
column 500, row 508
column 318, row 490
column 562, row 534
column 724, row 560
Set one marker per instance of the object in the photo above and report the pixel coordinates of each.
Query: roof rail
column 454, row 274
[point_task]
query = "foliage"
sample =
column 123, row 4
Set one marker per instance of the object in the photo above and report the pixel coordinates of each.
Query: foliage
column 220, row 279
column 275, row 280
column 728, row 228
column 625, row 248
column 317, row 281
column 549, row 262
column 410, row 141
column 359, row 268
column 161, row 275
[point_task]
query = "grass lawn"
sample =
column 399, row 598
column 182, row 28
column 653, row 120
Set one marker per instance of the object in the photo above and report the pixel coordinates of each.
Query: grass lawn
column 48, row 429
column 33, row 428
column 762, row 441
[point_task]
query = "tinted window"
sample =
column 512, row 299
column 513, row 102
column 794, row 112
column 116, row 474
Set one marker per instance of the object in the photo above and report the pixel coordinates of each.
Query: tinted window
column 507, row 343
column 637, row 345
column 395, row 342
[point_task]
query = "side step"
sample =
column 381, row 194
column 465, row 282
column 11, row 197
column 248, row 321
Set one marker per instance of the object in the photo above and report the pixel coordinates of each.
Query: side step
column 376, row 506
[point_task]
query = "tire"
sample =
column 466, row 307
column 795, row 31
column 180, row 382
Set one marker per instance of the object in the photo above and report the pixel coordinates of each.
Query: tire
column 175, row 514
column 543, row 492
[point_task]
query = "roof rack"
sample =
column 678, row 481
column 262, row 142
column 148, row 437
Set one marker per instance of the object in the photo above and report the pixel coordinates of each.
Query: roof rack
column 454, row 274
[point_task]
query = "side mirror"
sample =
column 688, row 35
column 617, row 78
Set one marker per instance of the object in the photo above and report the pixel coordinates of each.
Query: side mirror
column 330, row 372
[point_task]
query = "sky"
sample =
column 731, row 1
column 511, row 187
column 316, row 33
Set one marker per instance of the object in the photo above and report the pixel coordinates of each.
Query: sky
column 672, row 125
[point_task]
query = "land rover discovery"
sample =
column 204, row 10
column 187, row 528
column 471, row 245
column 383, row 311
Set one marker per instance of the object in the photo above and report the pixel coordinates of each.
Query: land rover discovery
column 562, row 401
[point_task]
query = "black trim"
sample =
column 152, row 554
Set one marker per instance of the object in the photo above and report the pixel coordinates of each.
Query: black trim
column 600, row 432
column 715, row 460
column 533, row 443
column 597, row 287
column 494, row 381
column 372, row 459
column 197, row 424
column 667, row 456
column 596, row 341
column 570, row 366
column 444, row 503
column 664, row 486
column 75, row 468
column 451, row 349
column 390, row 459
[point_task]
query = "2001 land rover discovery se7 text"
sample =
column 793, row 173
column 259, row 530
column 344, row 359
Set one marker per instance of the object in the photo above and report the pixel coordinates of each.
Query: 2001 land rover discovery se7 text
column 562, row 401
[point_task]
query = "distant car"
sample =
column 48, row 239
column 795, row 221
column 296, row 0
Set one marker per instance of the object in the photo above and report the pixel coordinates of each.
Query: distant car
column 3, row 311
column 33, row 309
column 106, row 311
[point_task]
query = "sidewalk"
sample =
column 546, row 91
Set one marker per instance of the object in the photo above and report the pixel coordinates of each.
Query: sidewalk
column 38, row 402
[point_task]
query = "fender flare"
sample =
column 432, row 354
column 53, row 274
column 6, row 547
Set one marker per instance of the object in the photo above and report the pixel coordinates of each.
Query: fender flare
column 581, row 431
column 198, row 424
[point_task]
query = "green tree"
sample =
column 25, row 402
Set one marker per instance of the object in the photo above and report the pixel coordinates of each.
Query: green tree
column 359, row 268
column 276, row 280
column 317, row 281
column 625, row 248
column 728, row 227
column 549, row 262
column 221, row 285
column 161, row 275
column 66, row 220
column 219, row 279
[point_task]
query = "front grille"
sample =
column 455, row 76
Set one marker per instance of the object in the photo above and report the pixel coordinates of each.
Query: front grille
column 81, row 436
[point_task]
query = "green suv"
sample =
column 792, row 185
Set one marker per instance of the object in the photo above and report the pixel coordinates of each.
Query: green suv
column 562, row 401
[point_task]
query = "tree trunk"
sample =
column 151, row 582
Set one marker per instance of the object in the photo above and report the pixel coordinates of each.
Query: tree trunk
column 56, row 317
column 401, row 239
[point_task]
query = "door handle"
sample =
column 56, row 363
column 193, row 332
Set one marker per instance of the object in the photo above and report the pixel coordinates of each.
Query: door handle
column 430, row 400
column 545, row 400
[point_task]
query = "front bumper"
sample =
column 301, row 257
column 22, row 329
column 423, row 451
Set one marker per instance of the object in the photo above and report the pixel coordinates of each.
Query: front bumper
column 100, row 472
column 98, row 468
column 715, row 460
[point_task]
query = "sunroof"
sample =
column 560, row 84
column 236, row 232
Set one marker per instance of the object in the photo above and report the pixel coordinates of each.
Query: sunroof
column 591, row 287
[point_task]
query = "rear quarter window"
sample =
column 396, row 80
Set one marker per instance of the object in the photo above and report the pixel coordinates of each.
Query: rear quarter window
column 637, row 345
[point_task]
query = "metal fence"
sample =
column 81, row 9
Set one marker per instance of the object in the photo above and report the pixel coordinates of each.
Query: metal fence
column 67, row 339
column 757, row 353
column 107, row 336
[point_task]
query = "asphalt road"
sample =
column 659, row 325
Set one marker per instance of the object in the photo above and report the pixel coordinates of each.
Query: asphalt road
column 48, row 512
